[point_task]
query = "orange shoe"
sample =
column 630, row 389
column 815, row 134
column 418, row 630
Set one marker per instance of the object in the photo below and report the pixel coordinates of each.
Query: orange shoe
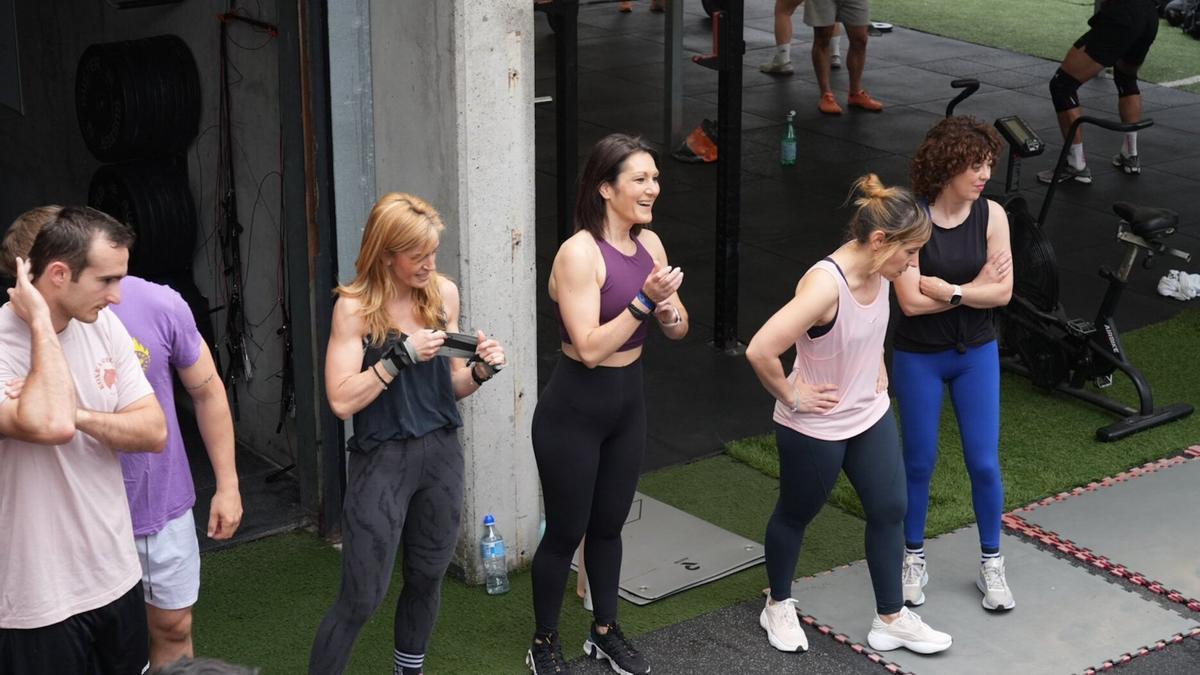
column 626, row 6
column 829, row 105
column 861, row 99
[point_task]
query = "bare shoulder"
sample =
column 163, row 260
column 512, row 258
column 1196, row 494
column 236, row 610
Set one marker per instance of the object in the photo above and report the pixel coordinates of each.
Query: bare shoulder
column 997, row 219
column 653, row 244
column 348, row 316
column 448, row 289
column 577, row 253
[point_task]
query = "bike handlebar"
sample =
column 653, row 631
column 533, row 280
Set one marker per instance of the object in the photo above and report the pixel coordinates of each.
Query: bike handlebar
column 968, row 85
column 1111, row 125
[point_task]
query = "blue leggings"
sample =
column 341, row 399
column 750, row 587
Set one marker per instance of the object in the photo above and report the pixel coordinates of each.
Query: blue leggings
column 974, row 379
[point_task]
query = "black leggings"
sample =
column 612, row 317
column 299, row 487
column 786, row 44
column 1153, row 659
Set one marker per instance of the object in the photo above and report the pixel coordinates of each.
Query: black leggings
column 407, row 491
column 808, row 468
column 589, row 435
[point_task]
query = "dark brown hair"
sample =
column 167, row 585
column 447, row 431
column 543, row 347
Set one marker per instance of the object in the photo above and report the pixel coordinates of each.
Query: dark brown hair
column 949, row 148
column 603, row 166
column 68, row 238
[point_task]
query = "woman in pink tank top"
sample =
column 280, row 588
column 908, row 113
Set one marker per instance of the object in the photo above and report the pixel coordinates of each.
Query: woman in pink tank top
column 832, row 413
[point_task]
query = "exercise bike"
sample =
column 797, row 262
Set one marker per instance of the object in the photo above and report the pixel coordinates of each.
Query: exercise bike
column 1037, row 338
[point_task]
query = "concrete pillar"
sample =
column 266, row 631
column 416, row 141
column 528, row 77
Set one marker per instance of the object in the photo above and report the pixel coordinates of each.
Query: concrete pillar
column 453, row 118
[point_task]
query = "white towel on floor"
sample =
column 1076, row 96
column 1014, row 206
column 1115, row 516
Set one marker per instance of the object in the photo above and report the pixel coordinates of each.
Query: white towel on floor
column 1179, row 285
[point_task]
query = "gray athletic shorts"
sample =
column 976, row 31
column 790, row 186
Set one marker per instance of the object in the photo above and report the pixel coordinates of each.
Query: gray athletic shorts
column 829, row 12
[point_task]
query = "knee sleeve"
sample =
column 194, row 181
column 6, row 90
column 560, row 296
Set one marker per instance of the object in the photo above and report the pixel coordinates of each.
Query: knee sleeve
column 1127, row 83
column 1064, row 91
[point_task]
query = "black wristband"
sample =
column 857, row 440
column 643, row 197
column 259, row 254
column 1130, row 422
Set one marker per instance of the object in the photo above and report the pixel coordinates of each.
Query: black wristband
column 636, row 312
column 397, row 355
column 475, row 376
column 381, row 380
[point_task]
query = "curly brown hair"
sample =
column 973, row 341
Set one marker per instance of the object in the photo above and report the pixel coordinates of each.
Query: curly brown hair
column 950, row 147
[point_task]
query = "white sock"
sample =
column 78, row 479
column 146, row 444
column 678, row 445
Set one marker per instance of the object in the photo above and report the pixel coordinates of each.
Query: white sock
column 915, row 551
column 1129, row 148
column 984, row 557
column 1075, row 159
column 783, row 53
column 835, row 46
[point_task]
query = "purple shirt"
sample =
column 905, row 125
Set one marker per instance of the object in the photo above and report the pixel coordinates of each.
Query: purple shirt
column 158, row 485
column 624, row 276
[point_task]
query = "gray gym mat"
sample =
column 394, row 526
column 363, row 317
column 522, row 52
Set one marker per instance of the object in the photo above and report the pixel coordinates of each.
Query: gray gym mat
column 1148, row 524
column 1066, row 619
column 667, row 551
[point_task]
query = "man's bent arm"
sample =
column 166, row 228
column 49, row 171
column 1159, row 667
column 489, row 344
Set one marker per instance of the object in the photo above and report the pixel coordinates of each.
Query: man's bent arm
column 138, row 427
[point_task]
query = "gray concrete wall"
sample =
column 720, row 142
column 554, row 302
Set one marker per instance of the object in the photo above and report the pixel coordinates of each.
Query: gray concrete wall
column 43, row 158
column 452, row 86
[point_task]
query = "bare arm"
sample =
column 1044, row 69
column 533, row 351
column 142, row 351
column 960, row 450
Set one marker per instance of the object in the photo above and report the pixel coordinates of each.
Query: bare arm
column 671, row 315
column 992, row 287
column 45, row 412
column 913, row 302
column 216, row 428
column 138, row 427
column 488, row 349
column 348, row 387
column 815, row 302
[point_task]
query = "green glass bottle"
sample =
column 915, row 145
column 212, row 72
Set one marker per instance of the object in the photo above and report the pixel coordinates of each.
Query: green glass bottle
column 787, row 146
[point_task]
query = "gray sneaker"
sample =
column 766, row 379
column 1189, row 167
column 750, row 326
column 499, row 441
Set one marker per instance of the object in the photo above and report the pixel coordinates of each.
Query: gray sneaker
column 835, row 61
column 774, row 67
column 1129, row 165
column 914, row 577
column 992, row 583
column 1083, row 175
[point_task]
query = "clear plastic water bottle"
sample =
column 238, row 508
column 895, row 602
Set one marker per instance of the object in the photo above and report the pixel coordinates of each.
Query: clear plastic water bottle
column 787, row 146
column 491, row 547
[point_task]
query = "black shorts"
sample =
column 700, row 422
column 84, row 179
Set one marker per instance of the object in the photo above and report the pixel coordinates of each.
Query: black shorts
column 109, row 640
column 1122, row 30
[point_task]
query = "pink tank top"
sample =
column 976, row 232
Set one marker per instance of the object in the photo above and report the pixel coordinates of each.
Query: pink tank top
column 849, row 355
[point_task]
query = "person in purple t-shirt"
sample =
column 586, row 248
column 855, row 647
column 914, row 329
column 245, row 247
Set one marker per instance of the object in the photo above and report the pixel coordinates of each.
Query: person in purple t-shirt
column 159, row 486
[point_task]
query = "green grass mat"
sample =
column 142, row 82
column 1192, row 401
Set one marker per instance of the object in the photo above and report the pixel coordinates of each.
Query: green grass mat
column 260, row 602
column 1047, row 442
column 1045, row 28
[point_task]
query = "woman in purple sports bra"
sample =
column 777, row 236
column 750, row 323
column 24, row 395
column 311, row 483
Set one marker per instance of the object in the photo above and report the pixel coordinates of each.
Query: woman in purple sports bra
column 609, row 280
column 833, row 414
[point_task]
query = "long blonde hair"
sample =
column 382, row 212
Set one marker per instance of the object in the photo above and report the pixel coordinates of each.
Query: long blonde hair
column 891, row 210
column 398, row 222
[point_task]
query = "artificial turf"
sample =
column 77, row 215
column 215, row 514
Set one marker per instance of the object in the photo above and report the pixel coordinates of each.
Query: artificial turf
column 1045, row 28
column 261, row 601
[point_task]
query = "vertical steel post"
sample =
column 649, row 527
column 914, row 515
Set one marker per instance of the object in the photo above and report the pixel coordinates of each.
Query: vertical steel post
column 729, row 170
column 566, row 106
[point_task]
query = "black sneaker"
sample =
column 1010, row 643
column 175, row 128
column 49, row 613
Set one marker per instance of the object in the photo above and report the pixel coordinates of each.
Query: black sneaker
column 546, row 657
column 613, row 647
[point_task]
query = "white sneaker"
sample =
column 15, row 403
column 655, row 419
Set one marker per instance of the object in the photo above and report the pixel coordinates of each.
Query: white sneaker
column 835, row 61
column 908, row 631
column 774, row 67
column 783, row 626
column 914, row 577
column 994, row 586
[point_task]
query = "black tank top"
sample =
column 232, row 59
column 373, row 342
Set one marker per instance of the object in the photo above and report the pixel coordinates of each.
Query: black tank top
column 420, row 400
column 956, row 255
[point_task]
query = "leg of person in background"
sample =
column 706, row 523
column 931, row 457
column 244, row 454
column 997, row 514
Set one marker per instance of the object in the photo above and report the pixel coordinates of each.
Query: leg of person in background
column 1129, row 104
column 835, row 49
column 856, row 61
column 582, row 588
column 781, row 58
column 1076, row 68
column 822, row 36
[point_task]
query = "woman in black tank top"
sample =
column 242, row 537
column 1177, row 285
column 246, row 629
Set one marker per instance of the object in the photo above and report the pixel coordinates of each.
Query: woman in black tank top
column 945, row 338
column 382, row 367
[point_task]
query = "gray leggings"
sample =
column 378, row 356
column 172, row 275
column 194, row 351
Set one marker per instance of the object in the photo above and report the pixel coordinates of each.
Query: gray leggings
column 408, row 491
column 808, row 468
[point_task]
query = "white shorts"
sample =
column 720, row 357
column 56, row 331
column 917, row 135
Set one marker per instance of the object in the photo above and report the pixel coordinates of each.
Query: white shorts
column 171, row 564
column 828, row 12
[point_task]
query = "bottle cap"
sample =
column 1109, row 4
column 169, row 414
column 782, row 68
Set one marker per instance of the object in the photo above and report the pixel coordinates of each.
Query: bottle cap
column 489, row 520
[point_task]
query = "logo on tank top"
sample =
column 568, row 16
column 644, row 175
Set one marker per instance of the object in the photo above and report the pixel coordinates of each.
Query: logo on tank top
column 106, row 374
column 143, row 354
